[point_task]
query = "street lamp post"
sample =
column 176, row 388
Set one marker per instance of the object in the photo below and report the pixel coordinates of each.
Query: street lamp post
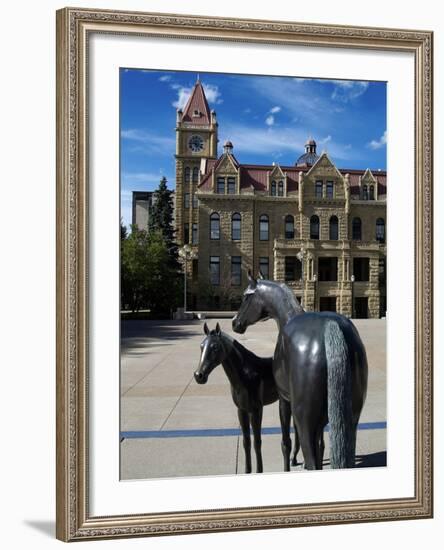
column 352, row 279
column 186, row 253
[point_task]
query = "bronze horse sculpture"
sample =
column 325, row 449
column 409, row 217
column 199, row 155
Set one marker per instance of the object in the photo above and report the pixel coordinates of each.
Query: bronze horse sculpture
column 252, row 387
column 319, row 367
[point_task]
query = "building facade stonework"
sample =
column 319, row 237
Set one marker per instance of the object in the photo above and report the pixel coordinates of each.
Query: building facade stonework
column 318, row 228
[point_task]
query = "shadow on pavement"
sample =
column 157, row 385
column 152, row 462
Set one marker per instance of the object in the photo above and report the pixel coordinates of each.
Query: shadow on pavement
column 137, row 336
column 371, row 460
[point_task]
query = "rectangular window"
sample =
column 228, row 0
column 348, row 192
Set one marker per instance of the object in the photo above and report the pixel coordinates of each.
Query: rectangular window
column 220, row 186
column 195, row 234
column 236, row 270
column 330, row 190
column 293, row 269
column 186, row 233
column 195, row 201
column 195, row 269
column 281, row 189
column 328, row 269
column 231, row 186
column 186, row 200
column 264, row 267
column 215, row 270
column 361, row 269
column 318, row 189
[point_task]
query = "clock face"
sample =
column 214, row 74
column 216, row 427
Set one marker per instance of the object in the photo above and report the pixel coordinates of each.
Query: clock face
column 196, row 144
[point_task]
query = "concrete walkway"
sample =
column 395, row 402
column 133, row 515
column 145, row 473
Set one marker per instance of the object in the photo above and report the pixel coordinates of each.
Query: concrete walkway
column 171, row 426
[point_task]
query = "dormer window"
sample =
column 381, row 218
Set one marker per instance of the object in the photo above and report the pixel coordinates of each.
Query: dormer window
column 273, row 189
column 318, row 189
column 281, row 189
column 196, row 112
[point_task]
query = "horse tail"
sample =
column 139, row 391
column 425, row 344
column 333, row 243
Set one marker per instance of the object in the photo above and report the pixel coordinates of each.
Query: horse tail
column 339, row 388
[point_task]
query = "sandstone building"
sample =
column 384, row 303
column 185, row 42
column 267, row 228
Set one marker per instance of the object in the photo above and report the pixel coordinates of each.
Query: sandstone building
column 318, row 228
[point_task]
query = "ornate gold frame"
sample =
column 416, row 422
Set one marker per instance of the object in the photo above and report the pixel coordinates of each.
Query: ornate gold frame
column 73, row 519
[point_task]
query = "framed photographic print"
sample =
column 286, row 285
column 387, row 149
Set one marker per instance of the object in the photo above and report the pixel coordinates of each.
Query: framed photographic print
column 244, row 274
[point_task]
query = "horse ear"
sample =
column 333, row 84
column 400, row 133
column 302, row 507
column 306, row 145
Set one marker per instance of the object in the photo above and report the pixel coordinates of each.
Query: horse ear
column 218, row 331
column 206, row 329
column 260, row 275
column 251, row 279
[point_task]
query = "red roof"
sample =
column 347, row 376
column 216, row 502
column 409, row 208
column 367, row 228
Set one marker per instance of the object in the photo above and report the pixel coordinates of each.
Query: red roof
column 255, row 176
column 196, row 110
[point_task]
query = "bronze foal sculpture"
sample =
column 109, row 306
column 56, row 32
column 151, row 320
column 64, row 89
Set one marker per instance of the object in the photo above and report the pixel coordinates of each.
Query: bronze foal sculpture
column 252, row 387
column 319, row 366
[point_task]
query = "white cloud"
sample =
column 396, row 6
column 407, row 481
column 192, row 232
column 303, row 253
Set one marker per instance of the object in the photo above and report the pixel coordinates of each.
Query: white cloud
column 378, row 143
column 130, row 178
column 274, row 110
column 212, row 94
column 149, row 142
column 275, row 141
column 165, row 78
column 269, row 121
column 347, row 90
column 183, row 95
column 325, row 140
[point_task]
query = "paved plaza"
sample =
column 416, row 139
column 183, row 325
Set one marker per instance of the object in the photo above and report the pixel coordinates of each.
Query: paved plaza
column 171, row 426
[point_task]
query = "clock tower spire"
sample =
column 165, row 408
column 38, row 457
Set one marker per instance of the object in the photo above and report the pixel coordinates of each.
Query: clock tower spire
column 196, row 143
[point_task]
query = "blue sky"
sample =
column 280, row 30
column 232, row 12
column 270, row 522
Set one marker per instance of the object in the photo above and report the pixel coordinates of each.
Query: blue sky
column 268, row 119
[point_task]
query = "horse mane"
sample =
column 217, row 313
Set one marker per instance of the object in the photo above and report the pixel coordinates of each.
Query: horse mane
column 289, row 298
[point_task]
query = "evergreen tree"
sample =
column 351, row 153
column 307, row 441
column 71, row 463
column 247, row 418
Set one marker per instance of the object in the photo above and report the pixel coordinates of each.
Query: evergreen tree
column 161, row 215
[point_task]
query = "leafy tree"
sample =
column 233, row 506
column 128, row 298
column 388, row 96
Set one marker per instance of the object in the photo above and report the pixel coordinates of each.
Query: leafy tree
column 123, row 231
column 147, row 278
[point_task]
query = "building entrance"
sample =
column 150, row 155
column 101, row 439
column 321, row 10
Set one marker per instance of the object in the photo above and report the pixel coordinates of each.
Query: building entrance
column 327, row 303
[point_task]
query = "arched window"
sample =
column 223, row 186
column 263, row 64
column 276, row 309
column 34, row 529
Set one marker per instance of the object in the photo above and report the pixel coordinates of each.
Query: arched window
column 236, row 226
column 215, row 226
column 372, row 193
column 281, row 189
column 289, row 227
column 195, row 174
column 314, row 227
column 380, row 230
column 334, row 228
column 365, row 193
column 187, row 174
column 263, row 228
column 356, row 229
column 273, row 188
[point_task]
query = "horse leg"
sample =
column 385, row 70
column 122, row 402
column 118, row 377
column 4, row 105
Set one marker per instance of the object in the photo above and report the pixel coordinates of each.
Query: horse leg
column 297, row 446
column 244, row 421
column 309, row 444
column 320, row 447
column 285, row 418
column 256, row 424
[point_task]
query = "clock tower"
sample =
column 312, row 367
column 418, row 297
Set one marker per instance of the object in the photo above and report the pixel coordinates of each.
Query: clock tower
column 196, row 145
